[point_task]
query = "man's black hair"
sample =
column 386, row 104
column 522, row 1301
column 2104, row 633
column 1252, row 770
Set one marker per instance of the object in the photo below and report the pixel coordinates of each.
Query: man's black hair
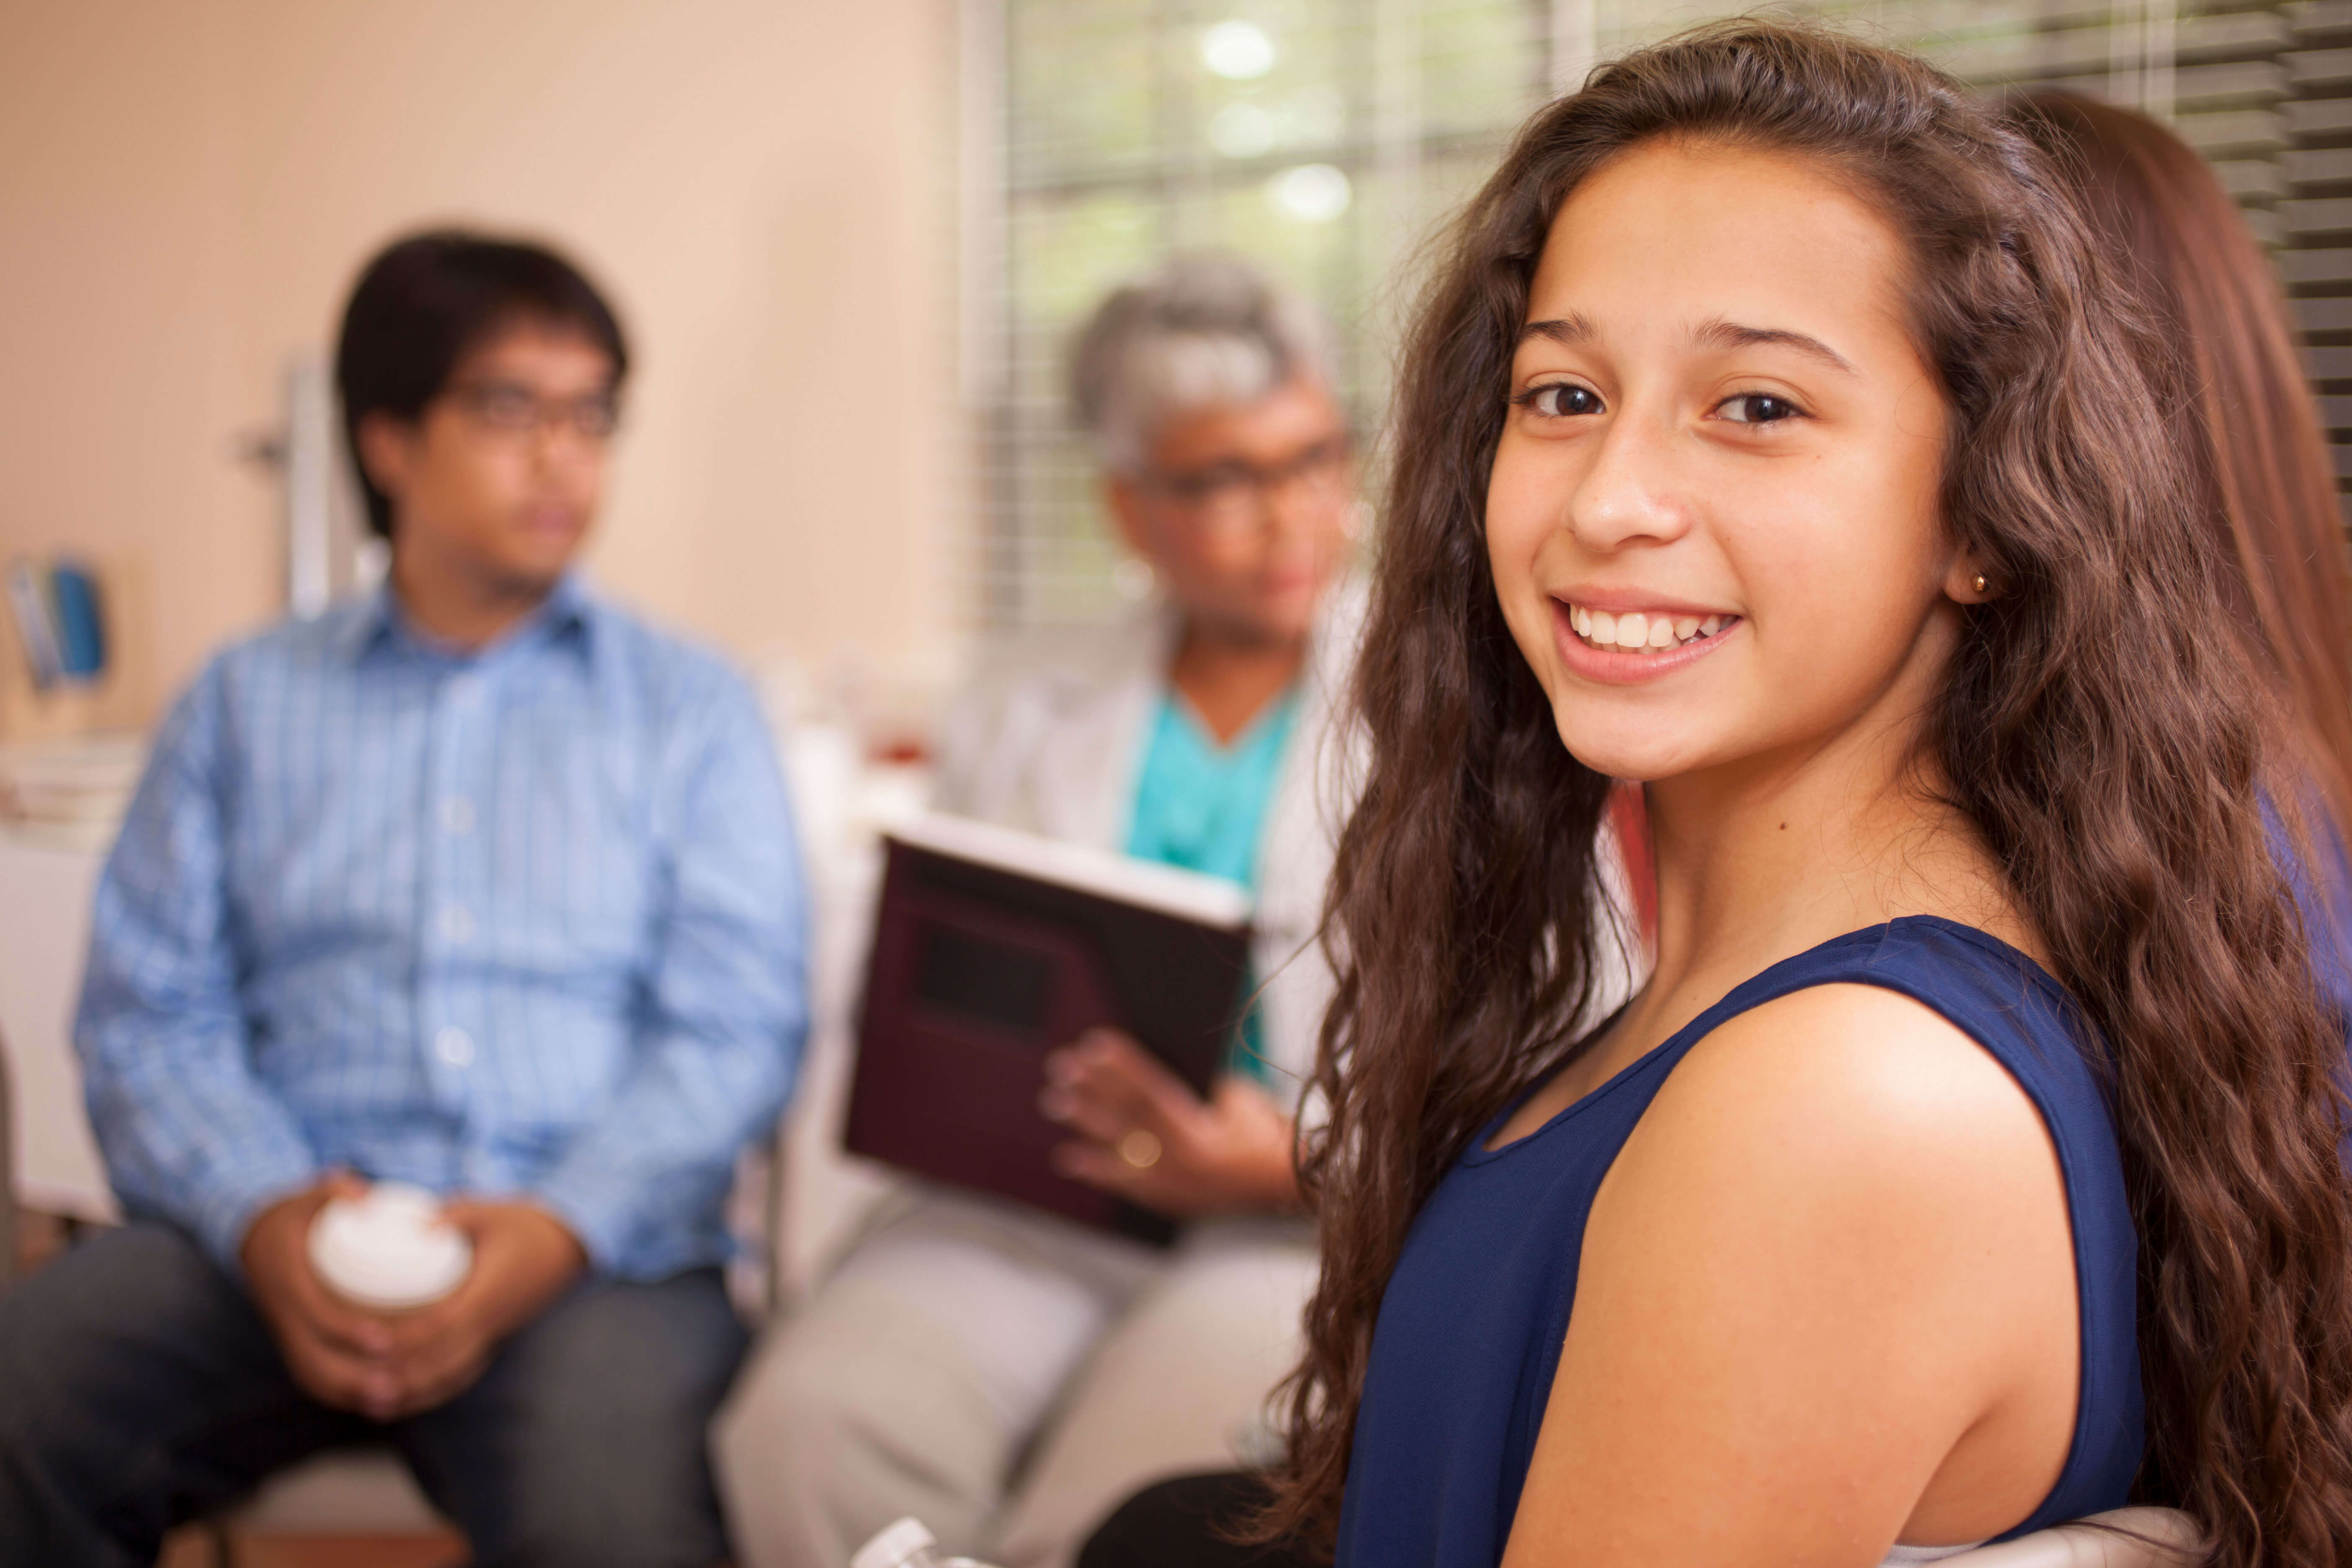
column 427, row 300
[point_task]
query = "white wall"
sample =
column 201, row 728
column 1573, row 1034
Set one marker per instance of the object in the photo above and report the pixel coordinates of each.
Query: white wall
column 187, row 186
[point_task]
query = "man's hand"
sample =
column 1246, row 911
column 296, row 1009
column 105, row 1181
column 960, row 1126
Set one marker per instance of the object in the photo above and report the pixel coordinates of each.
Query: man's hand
column 524, row 1258
column 336, row 1352
column 386, row 1367
column 1148, row 1138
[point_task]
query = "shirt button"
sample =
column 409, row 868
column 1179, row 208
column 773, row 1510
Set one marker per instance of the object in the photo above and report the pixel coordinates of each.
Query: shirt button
column 454, row 1046
column 464, row 688
column 457, row 923
column 458, row 815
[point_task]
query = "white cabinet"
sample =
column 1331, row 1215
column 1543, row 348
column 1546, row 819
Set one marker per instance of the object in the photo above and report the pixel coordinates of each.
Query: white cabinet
column 45, row 901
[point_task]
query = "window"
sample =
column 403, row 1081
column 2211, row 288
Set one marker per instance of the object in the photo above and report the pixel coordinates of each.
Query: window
column 1327, row 139
column 1319, row 137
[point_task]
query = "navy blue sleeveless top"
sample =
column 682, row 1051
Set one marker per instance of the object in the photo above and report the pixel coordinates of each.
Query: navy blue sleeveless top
column 1471, row 1327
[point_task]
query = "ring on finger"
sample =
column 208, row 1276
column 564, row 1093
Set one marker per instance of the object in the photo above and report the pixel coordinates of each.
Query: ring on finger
column 1139, row 1149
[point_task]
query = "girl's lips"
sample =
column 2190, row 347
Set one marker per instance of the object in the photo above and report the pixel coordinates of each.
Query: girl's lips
column 1612, row 667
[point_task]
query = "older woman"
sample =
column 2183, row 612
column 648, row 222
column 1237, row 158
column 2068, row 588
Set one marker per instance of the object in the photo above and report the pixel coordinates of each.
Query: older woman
column 1000, row 1374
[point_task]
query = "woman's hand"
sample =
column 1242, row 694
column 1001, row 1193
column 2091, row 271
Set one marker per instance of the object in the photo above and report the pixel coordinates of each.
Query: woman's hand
column 1144, row 1135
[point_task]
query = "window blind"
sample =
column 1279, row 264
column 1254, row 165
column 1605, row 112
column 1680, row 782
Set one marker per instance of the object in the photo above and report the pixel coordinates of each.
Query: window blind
column 2308, row 197
column 1327, row 139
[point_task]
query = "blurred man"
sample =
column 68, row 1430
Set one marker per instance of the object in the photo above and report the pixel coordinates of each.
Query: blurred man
column 478, row 884
column 961, row 1333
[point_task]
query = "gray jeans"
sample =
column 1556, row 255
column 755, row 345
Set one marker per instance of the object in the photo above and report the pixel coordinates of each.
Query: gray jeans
column 138, row 1388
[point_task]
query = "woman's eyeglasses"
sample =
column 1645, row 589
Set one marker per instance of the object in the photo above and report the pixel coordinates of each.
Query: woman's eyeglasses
column 1234, row 486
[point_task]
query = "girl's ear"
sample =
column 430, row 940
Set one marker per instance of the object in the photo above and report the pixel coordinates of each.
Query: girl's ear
column 1968, row 583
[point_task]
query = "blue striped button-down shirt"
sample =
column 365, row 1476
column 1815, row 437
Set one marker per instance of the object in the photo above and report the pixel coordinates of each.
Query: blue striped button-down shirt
column 528, row 921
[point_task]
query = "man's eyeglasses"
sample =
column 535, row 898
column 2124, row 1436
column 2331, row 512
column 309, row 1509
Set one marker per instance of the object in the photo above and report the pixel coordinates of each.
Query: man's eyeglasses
column 514, row 409
column 1230, row 487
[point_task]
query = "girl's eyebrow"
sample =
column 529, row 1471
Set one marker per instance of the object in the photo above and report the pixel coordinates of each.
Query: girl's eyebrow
column 1720, row 333
column 1572, row 330
column 1568, row 332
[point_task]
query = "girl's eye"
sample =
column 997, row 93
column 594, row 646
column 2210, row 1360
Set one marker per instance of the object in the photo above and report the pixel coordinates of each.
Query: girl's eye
column 1758, row 408
column 1559, row 399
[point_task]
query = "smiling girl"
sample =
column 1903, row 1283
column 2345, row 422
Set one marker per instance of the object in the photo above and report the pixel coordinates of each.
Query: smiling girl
column 1773, row 438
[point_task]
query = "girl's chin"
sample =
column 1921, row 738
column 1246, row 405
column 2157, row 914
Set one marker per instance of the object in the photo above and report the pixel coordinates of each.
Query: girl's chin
column 1634, row 758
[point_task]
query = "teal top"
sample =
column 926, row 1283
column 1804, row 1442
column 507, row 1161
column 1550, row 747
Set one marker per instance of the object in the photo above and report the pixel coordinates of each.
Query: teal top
column 1203, row 806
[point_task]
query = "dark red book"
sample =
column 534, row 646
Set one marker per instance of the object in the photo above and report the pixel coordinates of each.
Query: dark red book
column 993, row 947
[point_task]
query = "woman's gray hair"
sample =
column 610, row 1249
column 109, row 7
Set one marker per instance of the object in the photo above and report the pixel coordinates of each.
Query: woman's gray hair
column 1204, row 330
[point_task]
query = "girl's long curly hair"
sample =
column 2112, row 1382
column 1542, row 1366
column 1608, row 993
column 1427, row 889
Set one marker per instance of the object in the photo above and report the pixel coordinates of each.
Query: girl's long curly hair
column 2101, row 725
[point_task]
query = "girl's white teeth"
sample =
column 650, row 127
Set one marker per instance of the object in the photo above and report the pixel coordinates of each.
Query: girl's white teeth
column 1637, row 632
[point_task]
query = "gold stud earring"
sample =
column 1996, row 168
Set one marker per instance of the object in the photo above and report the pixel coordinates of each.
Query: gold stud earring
column 1980, row 583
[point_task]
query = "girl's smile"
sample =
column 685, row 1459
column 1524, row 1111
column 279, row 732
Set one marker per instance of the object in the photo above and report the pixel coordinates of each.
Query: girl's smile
column 1623, row 646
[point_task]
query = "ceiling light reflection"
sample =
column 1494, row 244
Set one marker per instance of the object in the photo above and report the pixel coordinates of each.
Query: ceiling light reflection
column 1242, row 131
column 1238, row 51
column 1312, row 193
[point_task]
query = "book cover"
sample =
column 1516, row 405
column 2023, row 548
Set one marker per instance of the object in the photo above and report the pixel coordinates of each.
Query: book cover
column 993, row 947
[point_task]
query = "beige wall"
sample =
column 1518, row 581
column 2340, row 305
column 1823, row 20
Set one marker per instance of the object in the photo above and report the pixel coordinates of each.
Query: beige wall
column 186, row 187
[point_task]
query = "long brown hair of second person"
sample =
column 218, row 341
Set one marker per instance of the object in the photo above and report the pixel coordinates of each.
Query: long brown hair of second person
column 2250, row 431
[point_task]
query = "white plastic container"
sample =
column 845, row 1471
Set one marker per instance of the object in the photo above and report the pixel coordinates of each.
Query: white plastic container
column 388, row 1251
column 906, row 1545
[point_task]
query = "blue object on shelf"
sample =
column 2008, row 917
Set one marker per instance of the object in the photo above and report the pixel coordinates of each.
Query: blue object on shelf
column 81, row 628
